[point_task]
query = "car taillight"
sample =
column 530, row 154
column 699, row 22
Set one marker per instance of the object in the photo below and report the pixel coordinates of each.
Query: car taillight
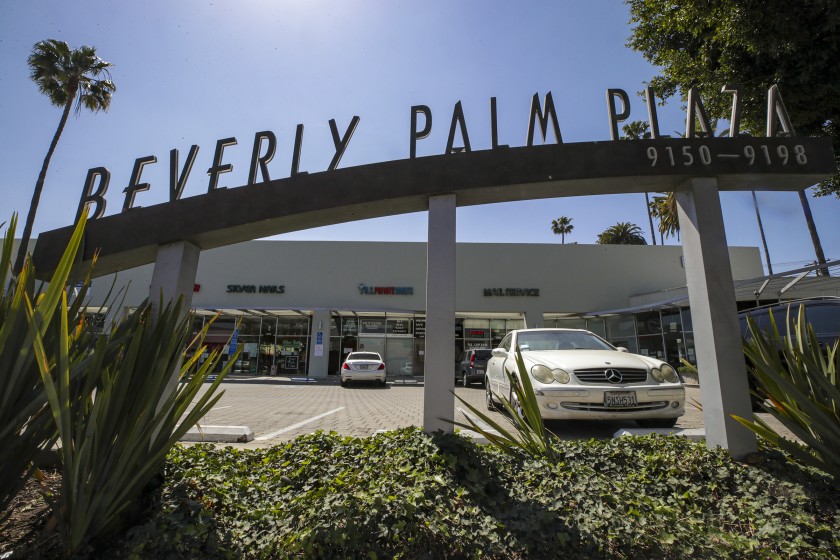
column 345, row 366
column 472, row 360
column 381, row 366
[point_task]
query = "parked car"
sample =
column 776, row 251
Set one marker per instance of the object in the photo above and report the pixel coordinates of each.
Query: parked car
column 821, row 313
column 471, row 366
column 578, row 375
column 363, row 366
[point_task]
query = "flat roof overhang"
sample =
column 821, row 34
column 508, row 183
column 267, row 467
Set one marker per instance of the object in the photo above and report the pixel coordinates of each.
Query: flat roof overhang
column 233, row 215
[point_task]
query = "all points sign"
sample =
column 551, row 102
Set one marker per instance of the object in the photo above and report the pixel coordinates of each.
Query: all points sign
column 542, row 116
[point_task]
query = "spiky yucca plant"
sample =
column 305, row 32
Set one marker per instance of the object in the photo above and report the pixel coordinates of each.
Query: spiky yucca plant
column 528, row 433
column 26, row 428
column 118, row 426
column 798, row 382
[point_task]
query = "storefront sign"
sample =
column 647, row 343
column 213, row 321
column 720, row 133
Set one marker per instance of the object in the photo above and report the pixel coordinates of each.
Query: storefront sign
column 385, row 290
column 372, row 326
column 512, row 292
column 399, row 326
column 477, row 333
column 542, row 116
column 253, row 289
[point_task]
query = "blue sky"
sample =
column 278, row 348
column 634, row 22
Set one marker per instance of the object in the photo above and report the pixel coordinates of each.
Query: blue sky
column 194, row 71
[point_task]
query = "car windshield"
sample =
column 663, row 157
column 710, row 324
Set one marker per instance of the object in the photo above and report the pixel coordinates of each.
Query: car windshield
column 560, row 340
column 364, row 356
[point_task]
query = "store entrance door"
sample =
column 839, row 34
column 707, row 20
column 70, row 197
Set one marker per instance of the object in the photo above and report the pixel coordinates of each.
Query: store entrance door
column 400, row 352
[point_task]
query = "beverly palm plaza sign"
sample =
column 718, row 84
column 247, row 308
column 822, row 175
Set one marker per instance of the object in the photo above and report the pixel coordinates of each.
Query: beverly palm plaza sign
column 697, row 167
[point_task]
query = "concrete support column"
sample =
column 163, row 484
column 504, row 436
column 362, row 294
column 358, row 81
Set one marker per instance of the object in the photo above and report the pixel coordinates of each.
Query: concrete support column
column 717, row 337
column 438, row 400
column 174, row 274
column 320, row 331
column 534, row 319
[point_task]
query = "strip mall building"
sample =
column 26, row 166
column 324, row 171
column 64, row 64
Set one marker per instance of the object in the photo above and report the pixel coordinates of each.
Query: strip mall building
column 301, row 306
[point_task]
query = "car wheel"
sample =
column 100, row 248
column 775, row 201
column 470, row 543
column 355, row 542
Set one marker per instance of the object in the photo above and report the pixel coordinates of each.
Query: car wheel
column 465, row 380
column 382, row 383
column 488, row 396
column 657, row 423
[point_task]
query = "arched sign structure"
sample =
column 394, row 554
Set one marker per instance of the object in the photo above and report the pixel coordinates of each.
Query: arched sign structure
column 173, row 234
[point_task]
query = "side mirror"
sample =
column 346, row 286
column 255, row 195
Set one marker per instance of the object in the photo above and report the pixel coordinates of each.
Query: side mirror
column 499, row 353
column 622, row 349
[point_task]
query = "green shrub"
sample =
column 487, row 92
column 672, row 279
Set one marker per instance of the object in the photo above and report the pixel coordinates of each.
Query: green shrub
column 406, row 494
column 798, row 383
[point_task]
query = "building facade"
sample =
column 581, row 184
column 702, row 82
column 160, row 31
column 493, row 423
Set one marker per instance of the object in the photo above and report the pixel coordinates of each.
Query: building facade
column 298, row 307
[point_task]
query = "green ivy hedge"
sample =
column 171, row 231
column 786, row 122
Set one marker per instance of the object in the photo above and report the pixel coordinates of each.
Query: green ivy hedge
column 405, row 494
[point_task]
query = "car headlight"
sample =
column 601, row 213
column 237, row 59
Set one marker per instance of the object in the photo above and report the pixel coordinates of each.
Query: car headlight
column 561, row 376
column 664, row 373
column 542, row 374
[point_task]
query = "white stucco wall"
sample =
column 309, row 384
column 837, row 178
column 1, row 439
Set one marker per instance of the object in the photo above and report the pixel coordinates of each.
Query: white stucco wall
column 327, row 275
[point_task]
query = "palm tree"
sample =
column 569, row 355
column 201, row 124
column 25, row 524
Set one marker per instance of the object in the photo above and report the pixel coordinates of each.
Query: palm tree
column 65, row 76
column 636, row 130
column 622, row 233
column 665, row 209
column 562, row 226
column 761, row 231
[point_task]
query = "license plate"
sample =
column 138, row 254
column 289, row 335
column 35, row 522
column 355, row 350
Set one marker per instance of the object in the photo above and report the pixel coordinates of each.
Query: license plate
column 364, row 367
column 619, row 398
column 479, row 371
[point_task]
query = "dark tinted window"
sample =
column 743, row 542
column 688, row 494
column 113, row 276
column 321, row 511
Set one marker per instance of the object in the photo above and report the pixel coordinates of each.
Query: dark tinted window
column 825, row 319
column 364, row 356
column 483, row 355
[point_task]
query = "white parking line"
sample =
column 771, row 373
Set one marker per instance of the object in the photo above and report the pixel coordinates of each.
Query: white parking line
column 298, row 425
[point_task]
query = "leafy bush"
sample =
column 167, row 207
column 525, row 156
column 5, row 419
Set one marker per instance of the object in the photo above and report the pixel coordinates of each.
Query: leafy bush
column 798, row 383
column 26, row 428
column 406, row 494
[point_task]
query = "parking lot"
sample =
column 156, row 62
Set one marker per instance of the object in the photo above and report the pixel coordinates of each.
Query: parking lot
column 279, row 409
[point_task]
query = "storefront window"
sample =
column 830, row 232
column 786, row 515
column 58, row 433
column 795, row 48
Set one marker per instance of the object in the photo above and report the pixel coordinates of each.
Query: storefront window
column 648, row 323
column 690, row 354
column 293, row 326
column 571, row 323
column 671, row 321
column 596, row 325
column 371, row 325
column 621, row 332
column 686, row 319
column 400, row 326
column 349, row 326
column 651, row 345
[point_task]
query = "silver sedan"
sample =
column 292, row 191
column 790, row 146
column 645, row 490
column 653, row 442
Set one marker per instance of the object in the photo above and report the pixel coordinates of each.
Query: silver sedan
column 578, row 375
